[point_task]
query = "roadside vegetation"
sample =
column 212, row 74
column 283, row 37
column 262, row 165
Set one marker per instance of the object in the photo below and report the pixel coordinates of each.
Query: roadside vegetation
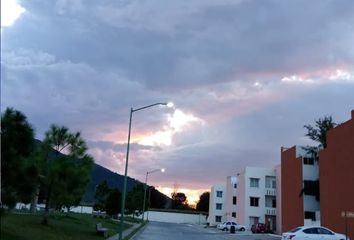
column 63, row 226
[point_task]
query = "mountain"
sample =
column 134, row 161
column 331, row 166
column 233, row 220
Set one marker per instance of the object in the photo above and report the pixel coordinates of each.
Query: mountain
column 114, row 180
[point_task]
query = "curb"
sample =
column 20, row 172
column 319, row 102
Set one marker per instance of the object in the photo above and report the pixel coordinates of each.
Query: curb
column 140, row 229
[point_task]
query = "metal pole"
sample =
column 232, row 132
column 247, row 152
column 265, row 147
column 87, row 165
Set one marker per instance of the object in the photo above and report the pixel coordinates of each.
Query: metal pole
column 146, row 178
column 125, row 179
column 346, row 226
column 148, row 208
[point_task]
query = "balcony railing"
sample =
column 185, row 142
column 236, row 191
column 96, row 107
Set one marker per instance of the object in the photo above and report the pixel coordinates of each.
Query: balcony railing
column 271, row 211
column 271, row 192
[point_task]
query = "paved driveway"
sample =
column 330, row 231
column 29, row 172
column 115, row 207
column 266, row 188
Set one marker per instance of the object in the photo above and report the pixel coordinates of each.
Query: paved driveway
column 172, row 231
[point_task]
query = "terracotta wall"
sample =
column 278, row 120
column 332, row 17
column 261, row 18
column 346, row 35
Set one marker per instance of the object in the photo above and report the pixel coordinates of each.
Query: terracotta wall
column 337, row 177
column 292, row 205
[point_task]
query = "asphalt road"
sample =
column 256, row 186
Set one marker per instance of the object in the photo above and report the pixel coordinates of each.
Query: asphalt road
column 172, row 231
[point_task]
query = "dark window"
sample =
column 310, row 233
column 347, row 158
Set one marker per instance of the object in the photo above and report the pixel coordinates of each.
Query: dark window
column 234, row 200
column 235, row 185
column 234, row 214
column 324, row 231
column 311, row 188
column 219, row 194
column 311, row 231
column 309, row 161
column 219, row 206
column 274, row 203
column 217, row 218
column 254, row 201
column 310, row 215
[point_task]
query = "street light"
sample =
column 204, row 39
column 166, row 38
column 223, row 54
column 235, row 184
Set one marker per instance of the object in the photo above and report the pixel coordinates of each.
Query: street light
column 146, row 178
column 126, row 161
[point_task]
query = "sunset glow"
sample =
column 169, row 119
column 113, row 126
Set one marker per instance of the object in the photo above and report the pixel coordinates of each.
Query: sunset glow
column 177, row 122
column 10, row 12
column 192, row 194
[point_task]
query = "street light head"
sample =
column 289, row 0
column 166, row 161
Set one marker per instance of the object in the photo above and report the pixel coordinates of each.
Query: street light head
column 170, row 104
column 162, row 170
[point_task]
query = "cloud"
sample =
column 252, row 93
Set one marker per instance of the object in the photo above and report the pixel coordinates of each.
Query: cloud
column 10, row 12
column 245, row 76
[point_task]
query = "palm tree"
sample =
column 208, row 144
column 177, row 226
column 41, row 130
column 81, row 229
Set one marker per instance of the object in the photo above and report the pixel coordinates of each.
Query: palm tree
column 66, row 145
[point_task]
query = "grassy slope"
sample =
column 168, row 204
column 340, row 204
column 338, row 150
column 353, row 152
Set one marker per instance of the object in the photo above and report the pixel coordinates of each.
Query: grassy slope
column 61, row 227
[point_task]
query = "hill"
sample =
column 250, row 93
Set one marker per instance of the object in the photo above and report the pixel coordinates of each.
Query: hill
column 114, row 180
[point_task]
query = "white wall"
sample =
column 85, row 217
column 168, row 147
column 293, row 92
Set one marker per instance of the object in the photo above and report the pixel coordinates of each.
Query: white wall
column 260, row 192
column 231, row 191
column 171, row 217
column 78, row 209
column 212, row 204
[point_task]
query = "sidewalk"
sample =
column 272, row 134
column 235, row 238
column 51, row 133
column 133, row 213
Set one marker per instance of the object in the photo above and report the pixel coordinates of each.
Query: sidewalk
column 125, row 232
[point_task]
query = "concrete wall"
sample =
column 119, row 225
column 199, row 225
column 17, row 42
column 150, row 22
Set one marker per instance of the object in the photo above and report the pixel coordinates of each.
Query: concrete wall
column 172, row 217
column 231, row 192
column 337, row 177
column 246, row 191
column 212, row 204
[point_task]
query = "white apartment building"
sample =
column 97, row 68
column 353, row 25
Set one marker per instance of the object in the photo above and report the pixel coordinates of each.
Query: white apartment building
column 217, row 204
column 249, row 198
column 257, row 193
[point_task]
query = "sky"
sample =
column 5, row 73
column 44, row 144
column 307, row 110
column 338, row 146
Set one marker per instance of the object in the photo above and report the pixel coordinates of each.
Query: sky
column 245, row 76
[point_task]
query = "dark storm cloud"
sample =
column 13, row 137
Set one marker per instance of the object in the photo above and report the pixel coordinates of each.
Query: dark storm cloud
column 183, row 45
column 253, row 73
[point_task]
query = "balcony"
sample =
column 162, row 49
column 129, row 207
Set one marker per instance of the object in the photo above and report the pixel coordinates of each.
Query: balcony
column 271, row 211
column 271, row 192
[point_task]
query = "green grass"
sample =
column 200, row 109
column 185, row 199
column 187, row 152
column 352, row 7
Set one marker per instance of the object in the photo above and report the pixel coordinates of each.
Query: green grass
column 61, row 226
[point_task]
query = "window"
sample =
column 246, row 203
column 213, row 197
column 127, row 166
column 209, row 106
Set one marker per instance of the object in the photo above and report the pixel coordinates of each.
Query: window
column 310, row 215
column 254, row 201
column 270, row 182
column 309, row 161
column 219, row 194
column 219, row 206
column 270, row 201
column 254, row 182
column 234, row 200
column 235, row 185
column 324, row 231
column 217, row 218
column 311, row 188
column 311, row 231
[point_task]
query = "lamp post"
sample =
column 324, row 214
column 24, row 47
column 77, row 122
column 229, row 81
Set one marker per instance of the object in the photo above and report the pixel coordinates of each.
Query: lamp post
column 126, row 162
column 146, row 178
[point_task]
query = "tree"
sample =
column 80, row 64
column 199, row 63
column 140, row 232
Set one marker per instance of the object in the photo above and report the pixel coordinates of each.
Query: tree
column 135, row 199
column 203, row 203
column 66, row 169
column 319, row 132
column 113, row 202
column 178, row 199
column 101, row 194
column 17, row 143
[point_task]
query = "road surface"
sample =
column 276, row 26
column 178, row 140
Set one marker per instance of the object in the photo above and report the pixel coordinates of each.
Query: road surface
column 173, row 231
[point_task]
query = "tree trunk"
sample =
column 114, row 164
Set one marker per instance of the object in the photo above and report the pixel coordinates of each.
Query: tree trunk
column 46, row 210
column 34, row 199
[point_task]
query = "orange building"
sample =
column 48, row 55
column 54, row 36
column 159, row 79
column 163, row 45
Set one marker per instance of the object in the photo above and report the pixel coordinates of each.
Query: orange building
column 299, row 199
column 337, row 178
column 334, row 172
